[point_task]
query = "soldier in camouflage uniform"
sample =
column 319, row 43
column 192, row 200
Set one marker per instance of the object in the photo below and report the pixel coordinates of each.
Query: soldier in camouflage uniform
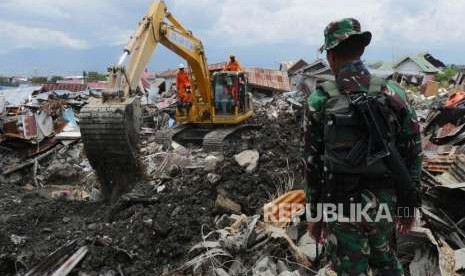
column 354, row 248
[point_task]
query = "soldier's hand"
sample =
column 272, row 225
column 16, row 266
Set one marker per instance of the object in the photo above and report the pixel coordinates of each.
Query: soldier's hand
column 404, row 225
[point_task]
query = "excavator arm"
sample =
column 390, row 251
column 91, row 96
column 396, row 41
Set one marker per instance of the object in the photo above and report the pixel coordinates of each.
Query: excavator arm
column 160, row 26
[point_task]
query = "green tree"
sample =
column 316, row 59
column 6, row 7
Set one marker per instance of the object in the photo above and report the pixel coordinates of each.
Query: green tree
column 446, row 75
column 39, row 80
column 56, row 78
column 4, row 80
column 95, row 77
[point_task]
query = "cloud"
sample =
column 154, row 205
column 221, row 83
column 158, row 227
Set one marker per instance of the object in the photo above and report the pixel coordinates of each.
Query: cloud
column 261, row 30
column 42, row 8
column 263, row 21
column 433, row 24
column 15, row 36
column 251, row 23
column 114, row 36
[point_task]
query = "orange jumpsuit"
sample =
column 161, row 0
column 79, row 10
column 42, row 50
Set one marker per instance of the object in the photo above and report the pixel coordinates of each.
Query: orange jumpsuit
column 182, row 81
column 234, row 66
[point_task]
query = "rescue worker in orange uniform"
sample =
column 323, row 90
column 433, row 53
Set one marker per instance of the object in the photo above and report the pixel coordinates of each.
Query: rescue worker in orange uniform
column 184, row 90
column 182, row 81
column 233, row 65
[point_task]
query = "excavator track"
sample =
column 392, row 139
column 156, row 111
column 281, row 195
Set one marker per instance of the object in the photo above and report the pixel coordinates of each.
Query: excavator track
column 110, row 132
column 214, row 140
column 165, row 136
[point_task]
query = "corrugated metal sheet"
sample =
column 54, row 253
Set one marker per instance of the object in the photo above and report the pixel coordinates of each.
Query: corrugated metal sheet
column 64, row 86
column 268, row 79
column 29, row 127
column 441, row 160
column 18, row 95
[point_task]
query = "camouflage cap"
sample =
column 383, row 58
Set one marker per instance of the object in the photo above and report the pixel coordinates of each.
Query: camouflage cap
column 338, row 31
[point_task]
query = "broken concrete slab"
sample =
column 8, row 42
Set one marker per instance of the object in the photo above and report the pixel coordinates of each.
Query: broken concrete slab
column 248, row 159
column 211, row 163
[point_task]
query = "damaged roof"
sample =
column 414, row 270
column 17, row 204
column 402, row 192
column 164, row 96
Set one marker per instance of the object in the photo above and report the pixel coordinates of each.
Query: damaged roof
column 268, row 79
column 297, row 66
column 422, row 62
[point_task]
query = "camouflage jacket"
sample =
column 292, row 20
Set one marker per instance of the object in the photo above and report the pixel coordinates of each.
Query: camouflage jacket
column 354, row 77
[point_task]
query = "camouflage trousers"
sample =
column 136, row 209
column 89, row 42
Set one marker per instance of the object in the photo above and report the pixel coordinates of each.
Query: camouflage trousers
column 354, row 248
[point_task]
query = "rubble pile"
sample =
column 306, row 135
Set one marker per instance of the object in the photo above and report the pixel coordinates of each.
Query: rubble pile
column 437, row 243
column 197, row 212
column 51, row 201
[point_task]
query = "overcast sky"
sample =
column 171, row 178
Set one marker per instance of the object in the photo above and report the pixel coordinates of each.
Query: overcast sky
column 68, row 36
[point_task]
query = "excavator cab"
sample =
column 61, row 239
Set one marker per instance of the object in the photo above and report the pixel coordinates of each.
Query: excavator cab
column 230, row 93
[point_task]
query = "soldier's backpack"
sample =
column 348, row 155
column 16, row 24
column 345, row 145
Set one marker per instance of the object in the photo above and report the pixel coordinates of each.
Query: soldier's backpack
column 349, row 149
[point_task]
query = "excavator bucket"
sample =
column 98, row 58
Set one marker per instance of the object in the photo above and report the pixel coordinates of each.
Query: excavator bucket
column 110, row 132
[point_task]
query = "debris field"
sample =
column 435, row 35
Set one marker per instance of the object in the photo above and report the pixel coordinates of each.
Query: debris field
column 197, row 212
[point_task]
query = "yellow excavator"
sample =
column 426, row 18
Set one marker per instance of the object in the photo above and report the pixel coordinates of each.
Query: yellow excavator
column 110, row 126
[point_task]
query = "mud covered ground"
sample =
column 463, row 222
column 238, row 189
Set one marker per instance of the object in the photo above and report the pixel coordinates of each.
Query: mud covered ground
column 150, row 231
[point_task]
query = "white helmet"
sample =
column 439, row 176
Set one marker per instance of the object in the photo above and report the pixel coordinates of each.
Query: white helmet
column 181, row 66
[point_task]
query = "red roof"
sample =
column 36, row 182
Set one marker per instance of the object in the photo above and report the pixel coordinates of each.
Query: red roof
column 268, row 79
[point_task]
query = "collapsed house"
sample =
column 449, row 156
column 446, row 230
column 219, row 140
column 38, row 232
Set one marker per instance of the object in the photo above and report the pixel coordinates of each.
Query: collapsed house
column 304, row 76
column 417, row 69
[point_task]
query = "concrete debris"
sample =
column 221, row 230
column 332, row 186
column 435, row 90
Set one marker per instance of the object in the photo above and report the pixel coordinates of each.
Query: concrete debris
column 211, row 162
column 248, row 159
column 17, row 240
